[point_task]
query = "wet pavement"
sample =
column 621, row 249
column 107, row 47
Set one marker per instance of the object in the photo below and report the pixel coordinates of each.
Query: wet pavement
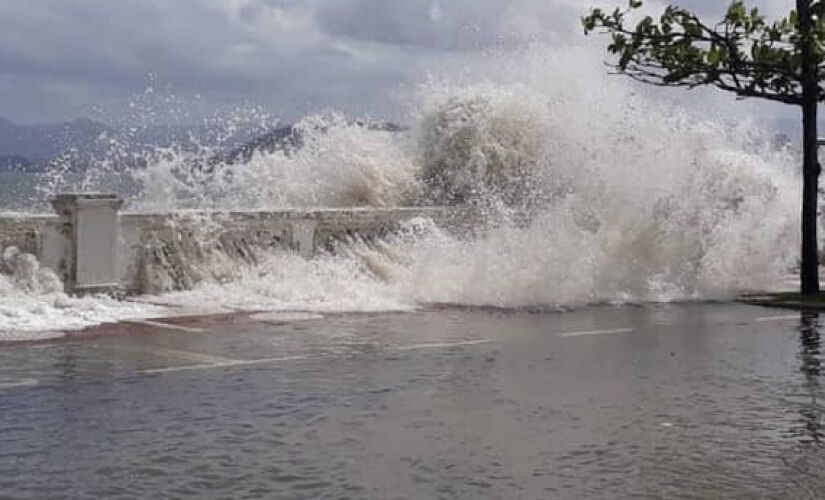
column 681, row 401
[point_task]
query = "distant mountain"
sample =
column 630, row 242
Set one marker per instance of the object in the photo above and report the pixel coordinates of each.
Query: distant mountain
column 79, row 142
column 33, row 147
column 38, row 143
column 288, row 139
column 280, row 139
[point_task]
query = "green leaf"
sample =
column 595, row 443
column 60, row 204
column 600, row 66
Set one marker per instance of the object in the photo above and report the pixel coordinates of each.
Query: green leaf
column 741, row 52
column 713, row 56
column 736, row 12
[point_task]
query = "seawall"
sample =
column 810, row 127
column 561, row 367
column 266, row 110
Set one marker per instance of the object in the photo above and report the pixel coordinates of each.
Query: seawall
column 93, row 246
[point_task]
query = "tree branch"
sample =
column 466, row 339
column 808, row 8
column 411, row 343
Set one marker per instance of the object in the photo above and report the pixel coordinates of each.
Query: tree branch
column 740, row 54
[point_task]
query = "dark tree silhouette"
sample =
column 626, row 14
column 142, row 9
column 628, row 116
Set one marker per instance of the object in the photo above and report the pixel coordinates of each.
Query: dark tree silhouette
column 744, row 54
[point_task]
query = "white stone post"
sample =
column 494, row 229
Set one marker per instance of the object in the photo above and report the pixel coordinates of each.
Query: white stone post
column 91, row 230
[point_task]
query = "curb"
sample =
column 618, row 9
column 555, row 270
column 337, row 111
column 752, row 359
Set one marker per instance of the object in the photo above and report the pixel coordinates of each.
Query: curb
column 770, row 300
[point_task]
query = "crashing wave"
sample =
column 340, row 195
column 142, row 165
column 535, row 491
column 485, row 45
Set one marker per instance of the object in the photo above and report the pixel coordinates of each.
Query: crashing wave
column 585, row 193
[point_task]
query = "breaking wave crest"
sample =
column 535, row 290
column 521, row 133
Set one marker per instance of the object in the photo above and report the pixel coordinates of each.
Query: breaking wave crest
column 584, row 192
column 339, row 163
column 579, row 200
column 626, row 200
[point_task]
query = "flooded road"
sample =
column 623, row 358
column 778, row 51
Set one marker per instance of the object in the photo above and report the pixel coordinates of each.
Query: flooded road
column 682, row 401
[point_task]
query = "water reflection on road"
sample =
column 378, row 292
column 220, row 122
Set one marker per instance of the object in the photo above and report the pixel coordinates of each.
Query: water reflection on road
column 810, row 355
column 683, row 401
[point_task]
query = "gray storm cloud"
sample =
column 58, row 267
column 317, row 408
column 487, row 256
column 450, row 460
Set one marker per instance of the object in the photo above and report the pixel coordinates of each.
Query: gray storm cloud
column 62, row 57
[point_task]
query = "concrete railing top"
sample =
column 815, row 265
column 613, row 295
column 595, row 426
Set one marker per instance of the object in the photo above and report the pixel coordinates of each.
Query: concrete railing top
column 68, row 203
column 65, row 203
column 294, row 213
column 88, row 196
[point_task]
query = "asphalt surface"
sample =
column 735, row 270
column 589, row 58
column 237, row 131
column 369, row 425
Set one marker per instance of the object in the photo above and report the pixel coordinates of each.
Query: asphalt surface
column 680, row 401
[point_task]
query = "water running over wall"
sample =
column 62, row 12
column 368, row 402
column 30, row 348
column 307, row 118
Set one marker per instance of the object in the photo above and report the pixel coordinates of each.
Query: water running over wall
column 587, row 191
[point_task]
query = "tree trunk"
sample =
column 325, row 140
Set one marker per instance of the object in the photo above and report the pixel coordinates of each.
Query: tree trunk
column 809, row 271
column 810, row 191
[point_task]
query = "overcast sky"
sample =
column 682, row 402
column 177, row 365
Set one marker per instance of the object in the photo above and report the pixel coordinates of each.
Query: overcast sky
column 63, row 59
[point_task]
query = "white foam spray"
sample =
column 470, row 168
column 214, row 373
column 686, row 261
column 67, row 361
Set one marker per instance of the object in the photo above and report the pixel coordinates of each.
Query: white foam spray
column 34, row 307
column 591, row 191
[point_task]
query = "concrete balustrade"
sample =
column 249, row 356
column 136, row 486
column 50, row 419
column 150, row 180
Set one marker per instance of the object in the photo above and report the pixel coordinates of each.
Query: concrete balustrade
column 95, row 247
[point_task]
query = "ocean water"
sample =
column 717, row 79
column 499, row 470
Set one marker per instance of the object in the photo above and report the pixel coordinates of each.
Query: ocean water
column 589, row 191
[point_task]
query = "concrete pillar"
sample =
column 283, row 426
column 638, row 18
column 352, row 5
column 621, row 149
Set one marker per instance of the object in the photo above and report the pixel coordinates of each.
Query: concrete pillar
column 303, row 237
column 91, row 230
